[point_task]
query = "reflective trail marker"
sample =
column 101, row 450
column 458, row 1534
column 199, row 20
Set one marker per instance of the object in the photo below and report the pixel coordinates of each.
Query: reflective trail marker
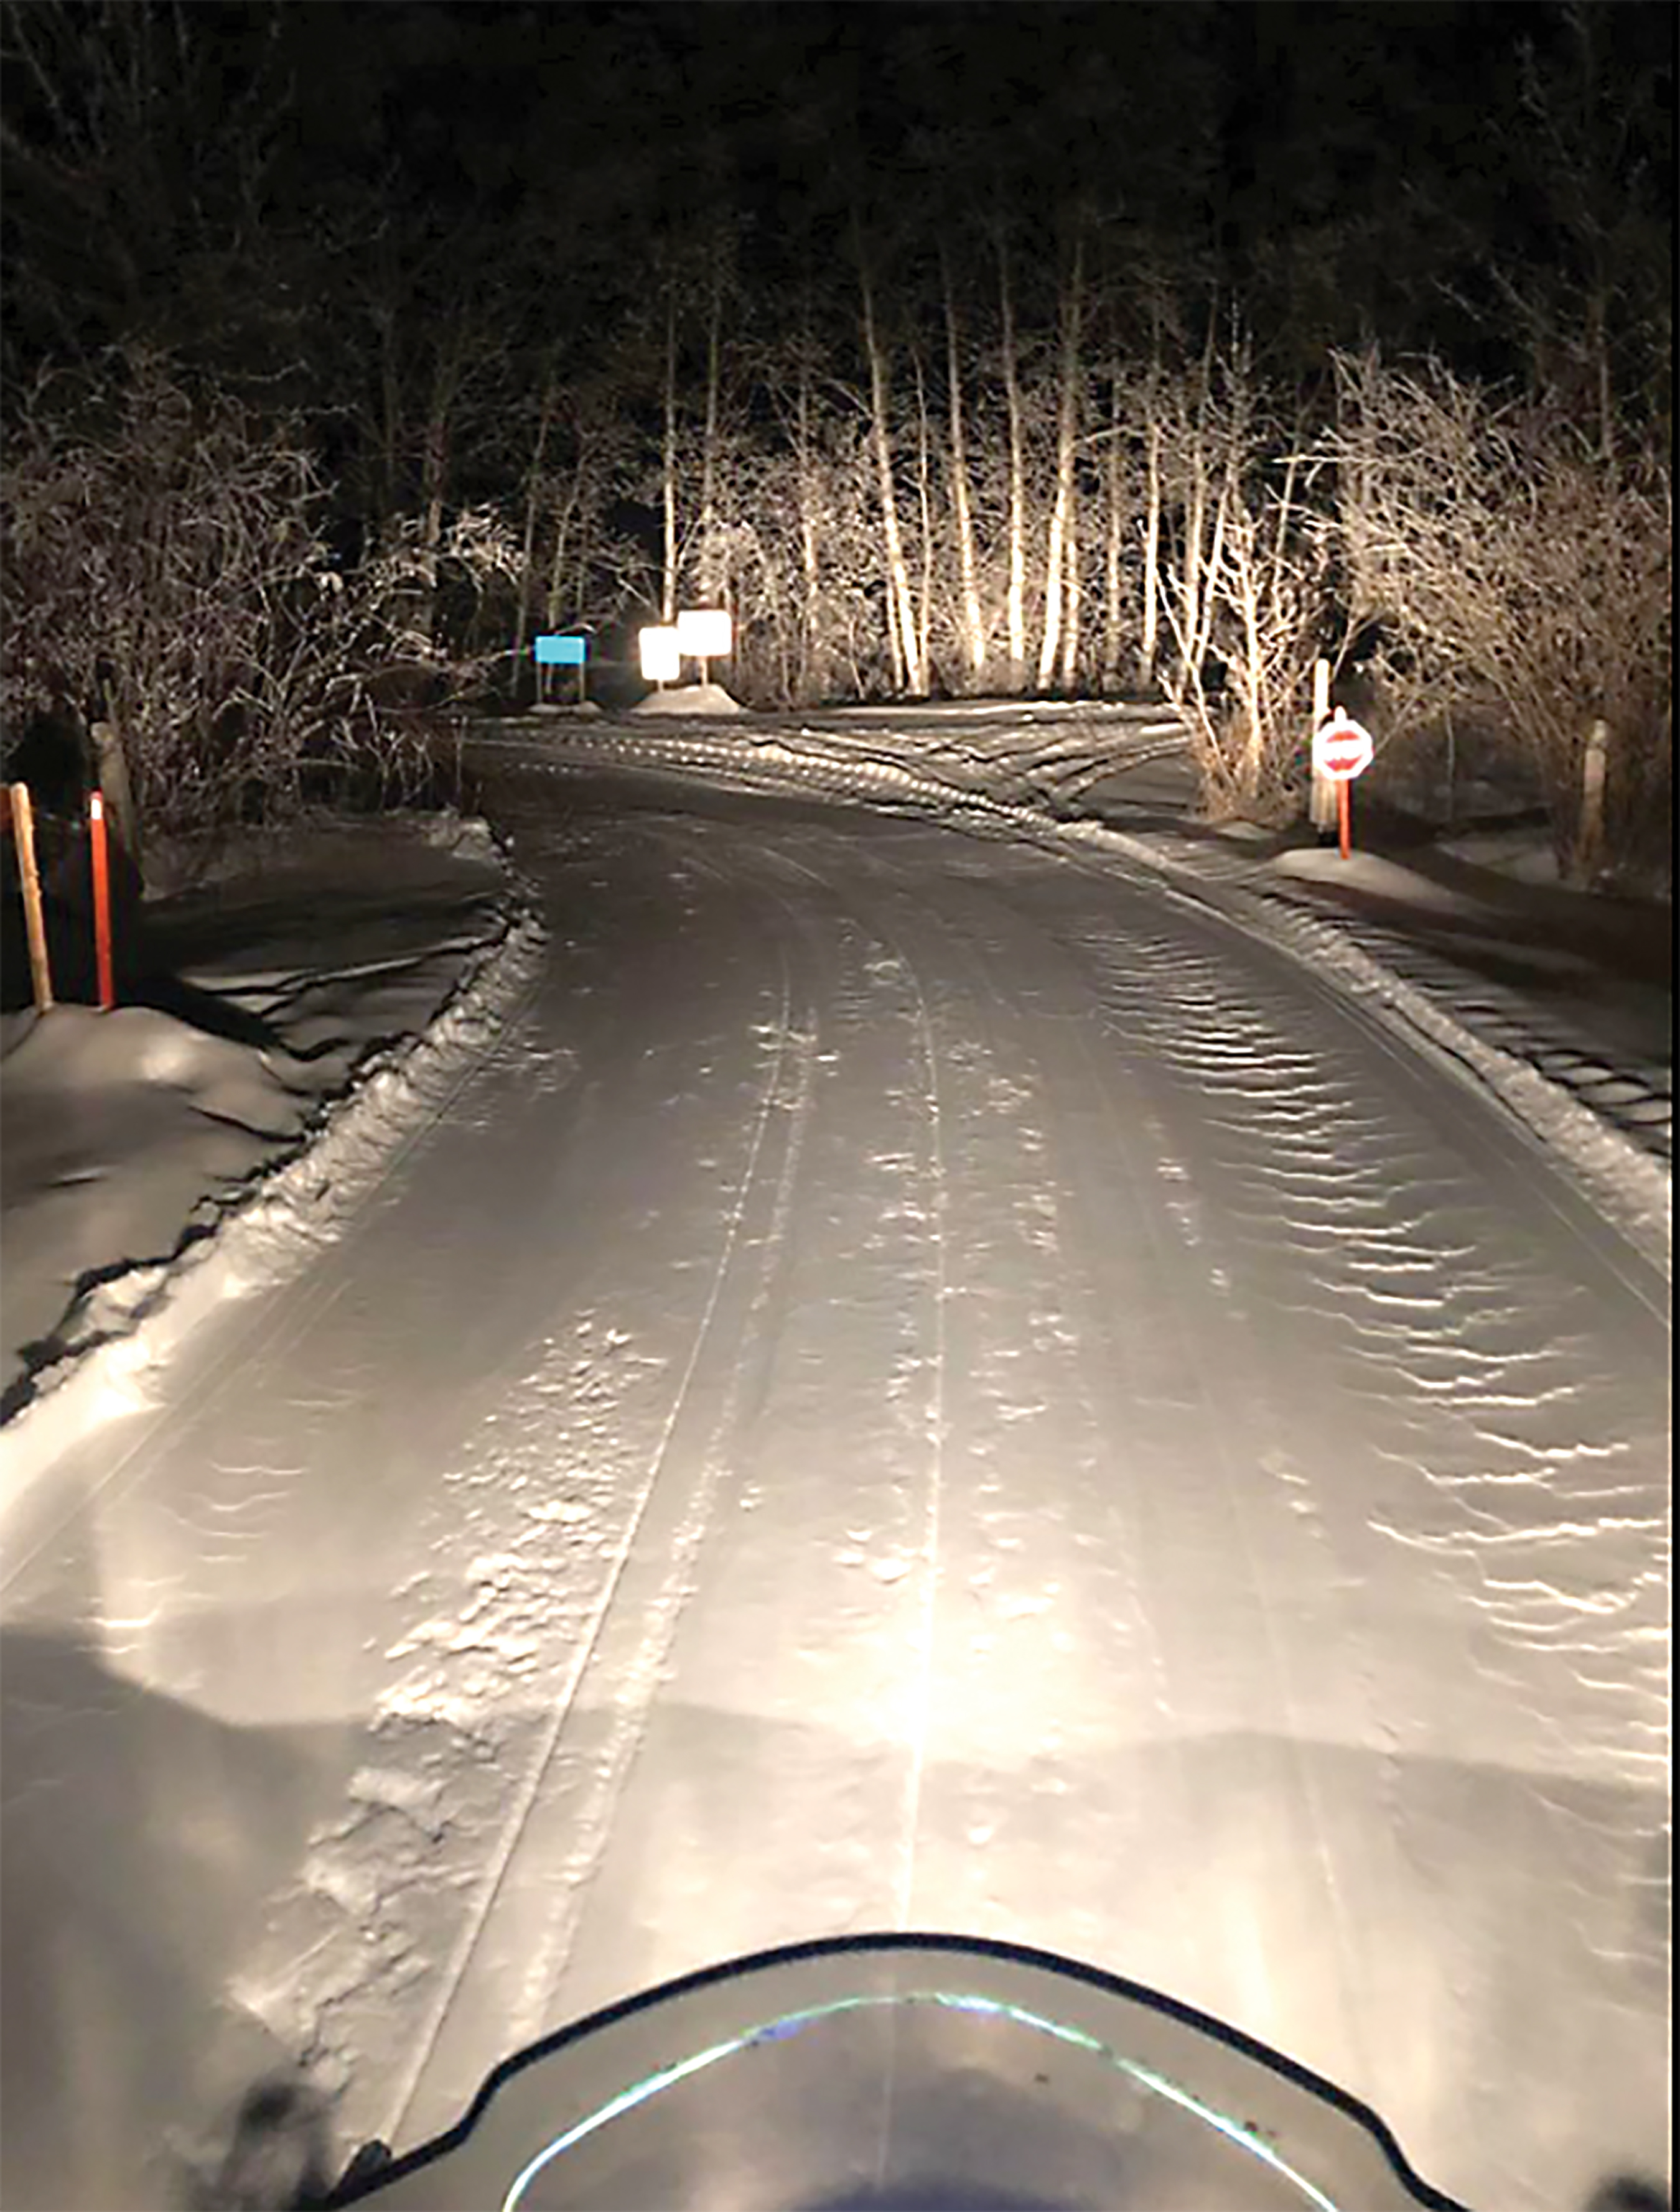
column 1341, row 749
column 554, row 651
column 102, row 859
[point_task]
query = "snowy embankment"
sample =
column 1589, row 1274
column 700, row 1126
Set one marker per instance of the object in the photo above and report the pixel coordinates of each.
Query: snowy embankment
column 156, row 1171
column 1046, row 770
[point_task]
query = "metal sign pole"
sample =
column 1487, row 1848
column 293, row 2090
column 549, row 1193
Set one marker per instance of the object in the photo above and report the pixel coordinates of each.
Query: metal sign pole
column 555, row 649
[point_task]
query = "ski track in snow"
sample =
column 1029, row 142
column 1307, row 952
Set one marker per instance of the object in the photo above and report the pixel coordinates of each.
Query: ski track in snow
column 925, row 1385
column 631, row 1698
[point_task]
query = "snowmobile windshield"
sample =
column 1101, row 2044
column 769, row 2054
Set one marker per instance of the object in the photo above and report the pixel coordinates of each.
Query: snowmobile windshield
column 918, row 2072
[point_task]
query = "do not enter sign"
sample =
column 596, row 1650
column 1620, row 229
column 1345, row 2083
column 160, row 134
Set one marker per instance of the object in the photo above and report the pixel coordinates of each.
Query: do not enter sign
column 1342, row 748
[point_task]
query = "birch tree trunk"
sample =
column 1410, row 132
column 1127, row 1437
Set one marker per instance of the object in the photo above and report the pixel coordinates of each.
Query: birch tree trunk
column 111, row 767
column 562, row 525
column 390, row 429
column 1149, row 644
column 925, row 513
column 1071, row 615
column 974, row 624
column 809, row 561
column 1067, row 424
column 711, row 587
column 1196, row 515
column 433, row 472
column 1113, row 538
column 1016, row 604
column 668, row 586
column 900, row 611
column 533, row 490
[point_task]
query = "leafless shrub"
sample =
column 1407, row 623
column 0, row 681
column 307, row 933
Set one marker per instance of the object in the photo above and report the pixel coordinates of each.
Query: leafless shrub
column 1246, row 592
column 1504, row 556
column 169, row 587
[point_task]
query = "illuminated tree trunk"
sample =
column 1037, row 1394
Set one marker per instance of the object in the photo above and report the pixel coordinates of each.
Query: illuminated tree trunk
column 1067, row 427
column 534, row 491
column 1149, row 644
column 809, row 560
column 901, row 612
column 1113, row 536
column 1016, row 602
column 1071, row 615
column 562, row 545
column 668, row 588
column 433, row 471
column 711, row 588
column 925, row 512
column 974, row 624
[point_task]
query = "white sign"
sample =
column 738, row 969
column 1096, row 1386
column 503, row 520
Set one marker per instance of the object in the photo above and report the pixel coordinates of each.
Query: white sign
column 1341, row 749
column 705, row 633
column 661, row 655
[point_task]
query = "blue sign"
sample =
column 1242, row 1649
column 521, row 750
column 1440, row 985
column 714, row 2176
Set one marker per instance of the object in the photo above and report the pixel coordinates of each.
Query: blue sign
column 553, row 652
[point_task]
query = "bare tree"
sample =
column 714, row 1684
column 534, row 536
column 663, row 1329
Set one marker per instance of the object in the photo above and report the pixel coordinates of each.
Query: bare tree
column 169, row 591
column 1247, row 599
column 1502, row 555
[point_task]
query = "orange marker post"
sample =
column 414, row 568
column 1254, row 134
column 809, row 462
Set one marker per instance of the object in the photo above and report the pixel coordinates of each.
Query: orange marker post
column 1344, row 813
column 107, row 995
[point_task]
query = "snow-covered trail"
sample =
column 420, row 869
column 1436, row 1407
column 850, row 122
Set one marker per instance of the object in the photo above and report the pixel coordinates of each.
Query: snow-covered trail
column 921, row 1386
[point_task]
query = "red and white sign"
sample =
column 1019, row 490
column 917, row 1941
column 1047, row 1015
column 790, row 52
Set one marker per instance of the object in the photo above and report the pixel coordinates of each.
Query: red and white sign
column 1342, row 748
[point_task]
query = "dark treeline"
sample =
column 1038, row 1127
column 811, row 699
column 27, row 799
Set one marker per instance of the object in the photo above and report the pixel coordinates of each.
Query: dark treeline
column 955, row 347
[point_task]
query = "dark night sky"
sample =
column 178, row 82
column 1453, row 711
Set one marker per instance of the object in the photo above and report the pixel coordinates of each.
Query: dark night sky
column 340, row 205
column 576, row 136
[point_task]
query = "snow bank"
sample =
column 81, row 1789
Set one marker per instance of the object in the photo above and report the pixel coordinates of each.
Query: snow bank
column 690, row 699
column 1525, row 854
column 115, row 1067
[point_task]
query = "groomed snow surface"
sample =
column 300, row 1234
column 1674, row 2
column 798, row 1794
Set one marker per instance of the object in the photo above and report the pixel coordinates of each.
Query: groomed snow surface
column 1030, row 1382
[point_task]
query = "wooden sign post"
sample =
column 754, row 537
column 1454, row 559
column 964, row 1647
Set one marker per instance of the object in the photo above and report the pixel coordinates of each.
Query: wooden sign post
column 22, row 818
column 1324, row 803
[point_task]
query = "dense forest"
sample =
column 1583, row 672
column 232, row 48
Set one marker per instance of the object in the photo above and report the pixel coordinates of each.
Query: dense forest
column 956, row 348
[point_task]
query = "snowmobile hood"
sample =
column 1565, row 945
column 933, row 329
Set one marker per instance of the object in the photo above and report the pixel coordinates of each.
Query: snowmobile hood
column 934, row 2072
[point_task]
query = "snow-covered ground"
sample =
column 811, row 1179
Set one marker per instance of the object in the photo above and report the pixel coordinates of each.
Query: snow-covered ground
column 859, row 1376
column 303, row 969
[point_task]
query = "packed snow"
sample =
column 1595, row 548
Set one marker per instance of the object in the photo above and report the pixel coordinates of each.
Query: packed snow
column 689, row 699
column 1031, row 1382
